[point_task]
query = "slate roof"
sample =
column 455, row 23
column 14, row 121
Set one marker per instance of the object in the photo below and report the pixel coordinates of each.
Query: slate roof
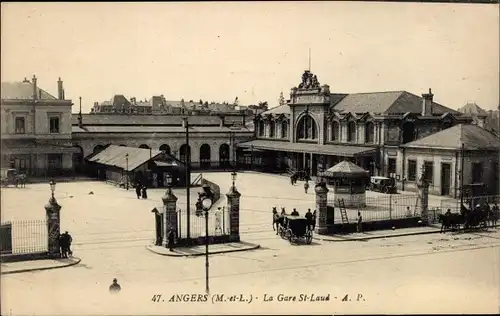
column 346, row 169
column 390, row 102
column 114, row 119
column 307, row 148
column 116, row 156
column 154, row 129
column 472, row 136
column 22, row 91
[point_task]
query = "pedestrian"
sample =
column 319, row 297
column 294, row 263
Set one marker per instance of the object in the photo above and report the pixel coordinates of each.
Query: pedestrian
column 360, row 222
column 309, row 217
column 61, row 246
column 144, row 192
column 138, row 189
column 294, row 212
column 115, row 287
column 306, row 186
column 171, row 240
column 314, row 219
column 408, row 212
column 67, row 240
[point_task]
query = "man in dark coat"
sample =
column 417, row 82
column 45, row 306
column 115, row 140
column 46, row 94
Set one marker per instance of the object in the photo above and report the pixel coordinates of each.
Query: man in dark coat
column 171, row 240
column 115, row 287
column 314, row 219
column 144, row 192
column 294, row 213
column 138, row 189
column 309, row 217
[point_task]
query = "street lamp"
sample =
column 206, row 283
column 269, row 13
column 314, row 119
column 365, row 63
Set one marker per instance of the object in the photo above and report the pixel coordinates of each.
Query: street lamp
column 206, row 202
column 126, row 171
column 188, row 178
column 233, row 177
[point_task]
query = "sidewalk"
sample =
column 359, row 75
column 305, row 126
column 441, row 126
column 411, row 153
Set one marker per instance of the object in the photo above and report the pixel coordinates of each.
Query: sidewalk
column 200, row 250
column 380, row 234
column 37, row 265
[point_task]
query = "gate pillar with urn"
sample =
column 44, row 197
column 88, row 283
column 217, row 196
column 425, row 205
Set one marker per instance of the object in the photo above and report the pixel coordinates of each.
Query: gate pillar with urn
column 233, row 205
column 53, row 213
column 322, row 225
column 169, row 216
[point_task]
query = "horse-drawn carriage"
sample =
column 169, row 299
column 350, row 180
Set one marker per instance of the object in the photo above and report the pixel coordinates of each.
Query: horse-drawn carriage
column 294, row 228
column 477, row 218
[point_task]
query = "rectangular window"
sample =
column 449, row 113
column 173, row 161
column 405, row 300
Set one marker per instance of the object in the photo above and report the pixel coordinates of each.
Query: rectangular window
column 391, row 168
column 54, row 124
column 477, row 172
column 54, row 162
column 412, row 170
column 20, row 125
column 429, row 171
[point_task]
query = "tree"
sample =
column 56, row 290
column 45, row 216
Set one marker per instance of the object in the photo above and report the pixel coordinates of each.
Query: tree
column 201, row 101
column 262, row 105
column 282, row 99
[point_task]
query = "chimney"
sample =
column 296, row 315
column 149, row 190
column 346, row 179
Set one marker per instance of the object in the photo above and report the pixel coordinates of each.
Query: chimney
column 60, row 89
column 35, row 88
column 427, row 103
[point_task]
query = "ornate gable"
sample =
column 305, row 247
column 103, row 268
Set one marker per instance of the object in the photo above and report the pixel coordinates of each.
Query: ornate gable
column 409, row 117
column 366, row 117
column 350, row 117
column 335, row 116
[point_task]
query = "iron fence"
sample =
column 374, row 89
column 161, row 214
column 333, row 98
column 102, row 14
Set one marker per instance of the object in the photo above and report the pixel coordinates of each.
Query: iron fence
column 218, row 223
column 391, row 206
column 29, row 236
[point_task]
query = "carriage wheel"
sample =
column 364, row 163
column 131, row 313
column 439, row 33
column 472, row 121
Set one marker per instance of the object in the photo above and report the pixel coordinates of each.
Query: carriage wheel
column 386, row 190
column 290, row 236
column 309, row 237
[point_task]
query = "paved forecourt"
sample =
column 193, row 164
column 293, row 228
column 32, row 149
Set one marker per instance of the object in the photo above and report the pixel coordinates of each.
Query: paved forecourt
column 112, row 228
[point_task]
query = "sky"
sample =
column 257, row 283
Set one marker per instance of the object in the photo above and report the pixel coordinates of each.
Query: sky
column 253, row 51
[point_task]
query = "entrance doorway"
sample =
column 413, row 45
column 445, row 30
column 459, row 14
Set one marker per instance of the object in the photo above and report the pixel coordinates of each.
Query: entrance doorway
column 445, row 178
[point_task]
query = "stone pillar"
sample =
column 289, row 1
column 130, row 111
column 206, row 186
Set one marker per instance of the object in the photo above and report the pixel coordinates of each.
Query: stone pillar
column 52, row 210
column 423, row 195
column 233, row 205
column 169, row 215
column 321, row 208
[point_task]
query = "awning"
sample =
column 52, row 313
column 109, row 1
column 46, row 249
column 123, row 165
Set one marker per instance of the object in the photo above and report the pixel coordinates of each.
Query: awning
column 332, row 150
column 166, row 164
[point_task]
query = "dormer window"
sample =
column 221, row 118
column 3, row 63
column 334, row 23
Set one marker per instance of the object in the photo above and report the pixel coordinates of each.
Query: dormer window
column 369, row 132
column 335, row 131
column 272, row 129
column 351, row 131
column 284, row 129
column 261, row 128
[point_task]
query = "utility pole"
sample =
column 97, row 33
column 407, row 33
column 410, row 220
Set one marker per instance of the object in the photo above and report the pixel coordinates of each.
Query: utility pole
column 188, row 180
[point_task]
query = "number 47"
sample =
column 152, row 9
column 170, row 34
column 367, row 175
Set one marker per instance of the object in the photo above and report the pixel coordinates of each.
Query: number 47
column 156, row 298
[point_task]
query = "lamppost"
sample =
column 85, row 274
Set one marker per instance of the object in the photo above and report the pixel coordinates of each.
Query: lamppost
column 52, row 210
column 206, row 201
column 126, row 171
column 52, row 184
column 188, row 179
column 233, row 177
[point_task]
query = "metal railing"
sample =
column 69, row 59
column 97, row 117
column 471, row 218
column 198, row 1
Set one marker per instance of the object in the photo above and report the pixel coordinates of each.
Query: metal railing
column 218, row 223
column 389, row 207
column 29, row 236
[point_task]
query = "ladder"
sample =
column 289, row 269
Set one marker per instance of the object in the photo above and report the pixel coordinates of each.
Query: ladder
column 343, row 212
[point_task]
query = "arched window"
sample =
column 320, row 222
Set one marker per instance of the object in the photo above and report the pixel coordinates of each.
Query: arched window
column 306, row 128
column 284, row 129
column 335, row 131
column 165, row 149
column 144, row 146
column 369, row 132
column 205, row 153
column 408, row 132
column 351, row 131
column 272, row 129
column 224, row 155
column 185, row 154
column 261, row 128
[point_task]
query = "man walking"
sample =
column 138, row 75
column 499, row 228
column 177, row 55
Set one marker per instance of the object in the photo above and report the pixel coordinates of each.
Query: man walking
column 138, row 189
column 360, row 223
column 115, row 287
column 309, row 217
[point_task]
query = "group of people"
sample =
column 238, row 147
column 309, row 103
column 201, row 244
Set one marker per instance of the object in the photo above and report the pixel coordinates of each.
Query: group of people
column 310, row 216
column 141, row 190
column 65, row 241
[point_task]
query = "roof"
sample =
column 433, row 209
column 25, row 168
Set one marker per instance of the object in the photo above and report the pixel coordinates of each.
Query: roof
column 472, row 108
column 23, row 91
column 343, row 150
column 472, row 136
column 116, row 156
column 390, row 102
column 156, row 129
column 134, row 119
column 347, row 167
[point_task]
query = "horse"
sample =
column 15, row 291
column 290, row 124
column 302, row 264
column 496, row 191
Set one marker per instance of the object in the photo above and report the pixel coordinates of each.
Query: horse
column 21, row 180
column 451, row 220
